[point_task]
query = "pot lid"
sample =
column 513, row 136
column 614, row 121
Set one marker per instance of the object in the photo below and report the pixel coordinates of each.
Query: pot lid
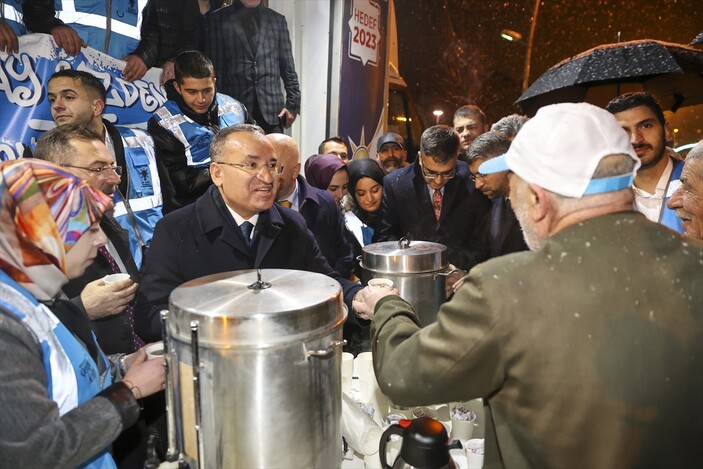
column 251, row 308
column 404, row 256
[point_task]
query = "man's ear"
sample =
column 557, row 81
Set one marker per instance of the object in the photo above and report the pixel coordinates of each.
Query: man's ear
column 216, row 174
column 98, row 107
column 668, row 135
column 539, row 202
column 177, row 87
column 297, row 170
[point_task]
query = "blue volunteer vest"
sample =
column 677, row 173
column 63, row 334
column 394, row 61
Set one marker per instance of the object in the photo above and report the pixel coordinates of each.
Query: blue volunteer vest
column 72, row 374
column 144, row 192
column 195, row 137
column 667, row 217
column 11, row 11
column 115, row 32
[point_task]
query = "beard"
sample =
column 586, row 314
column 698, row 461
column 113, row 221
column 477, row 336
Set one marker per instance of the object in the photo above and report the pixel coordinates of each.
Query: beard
column 529, row 233
column 391, row 163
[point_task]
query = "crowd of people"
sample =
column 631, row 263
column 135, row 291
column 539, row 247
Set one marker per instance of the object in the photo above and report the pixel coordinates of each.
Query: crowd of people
column 576, row 310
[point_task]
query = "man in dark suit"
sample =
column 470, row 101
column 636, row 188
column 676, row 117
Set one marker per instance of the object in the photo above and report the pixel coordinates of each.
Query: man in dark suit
column 233, row 226
column 318, row 207
column 433, row 199
column 250, row 47
column 504, row 232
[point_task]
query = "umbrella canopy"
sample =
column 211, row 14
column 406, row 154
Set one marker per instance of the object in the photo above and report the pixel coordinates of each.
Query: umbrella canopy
column 698, row 39
column 671, row 72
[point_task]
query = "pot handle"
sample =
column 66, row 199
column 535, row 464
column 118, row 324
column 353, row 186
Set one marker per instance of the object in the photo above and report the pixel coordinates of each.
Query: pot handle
column 328, row 351
column 446, row 272
column 394, row 429
column 403, row 243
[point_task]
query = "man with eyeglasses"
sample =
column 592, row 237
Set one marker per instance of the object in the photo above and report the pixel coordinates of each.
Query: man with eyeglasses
column 78, row 97
column 504, row 233
column 185, row 125
column 433, row 199
column 233, row 226
column 82, row 151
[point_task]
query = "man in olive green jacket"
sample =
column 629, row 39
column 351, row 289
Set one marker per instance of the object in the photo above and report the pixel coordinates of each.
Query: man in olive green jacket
column 589, row 350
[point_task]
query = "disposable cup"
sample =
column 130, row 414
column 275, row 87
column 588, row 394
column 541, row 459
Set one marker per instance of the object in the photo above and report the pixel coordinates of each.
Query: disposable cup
column 474, row 453
column 380, row 282
column 155, row 350
column 463, row 421
column 113, row 278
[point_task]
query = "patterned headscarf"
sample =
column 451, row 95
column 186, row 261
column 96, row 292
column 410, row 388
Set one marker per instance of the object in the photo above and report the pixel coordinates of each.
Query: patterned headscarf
column 44, row 211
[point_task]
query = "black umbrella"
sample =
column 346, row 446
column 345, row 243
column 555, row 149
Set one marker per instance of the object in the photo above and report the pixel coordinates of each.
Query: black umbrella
column 671, row 72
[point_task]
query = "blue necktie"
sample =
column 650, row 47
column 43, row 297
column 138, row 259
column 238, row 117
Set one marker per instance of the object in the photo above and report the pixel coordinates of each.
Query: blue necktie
column 247, row 228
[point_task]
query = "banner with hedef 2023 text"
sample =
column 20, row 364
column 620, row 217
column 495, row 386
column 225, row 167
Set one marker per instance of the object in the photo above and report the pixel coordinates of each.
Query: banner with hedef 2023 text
column 25, row 111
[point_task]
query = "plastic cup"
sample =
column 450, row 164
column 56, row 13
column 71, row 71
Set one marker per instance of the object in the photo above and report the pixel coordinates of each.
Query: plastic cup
column 383, row 283
column 474, row 453
column 155, row 350
column 424, row 412
column 114, row 278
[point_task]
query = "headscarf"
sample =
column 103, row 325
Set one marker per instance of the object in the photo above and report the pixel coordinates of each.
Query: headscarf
column 44, row 211
column 319, row 170
column 364, row 168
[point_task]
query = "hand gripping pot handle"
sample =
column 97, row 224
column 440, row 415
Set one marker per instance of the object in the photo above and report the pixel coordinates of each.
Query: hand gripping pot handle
column 394, row 429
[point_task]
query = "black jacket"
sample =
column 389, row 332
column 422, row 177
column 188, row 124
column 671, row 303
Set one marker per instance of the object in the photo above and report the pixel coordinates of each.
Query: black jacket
column 325, row 221
column 203, row 239
column 169, row 27
column 181, row 184
column 406, row 211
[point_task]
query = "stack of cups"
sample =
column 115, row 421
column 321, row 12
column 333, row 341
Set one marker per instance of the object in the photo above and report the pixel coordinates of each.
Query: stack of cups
column 369, row 392
column 474, row 453
column 463, row 421
column 347, row 372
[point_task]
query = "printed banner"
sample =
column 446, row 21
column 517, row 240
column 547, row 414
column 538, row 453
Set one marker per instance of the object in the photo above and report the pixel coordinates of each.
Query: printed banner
column 364, row 37
column 25, row 112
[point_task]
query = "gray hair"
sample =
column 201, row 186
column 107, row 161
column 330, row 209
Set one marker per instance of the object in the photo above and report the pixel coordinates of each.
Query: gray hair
column 509, row 126
column 486, row 146
column 55, row 145
column 218, row 143
column 696, row 152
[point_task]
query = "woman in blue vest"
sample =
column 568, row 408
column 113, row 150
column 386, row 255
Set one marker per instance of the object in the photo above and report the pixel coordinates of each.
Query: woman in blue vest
column 60, row 404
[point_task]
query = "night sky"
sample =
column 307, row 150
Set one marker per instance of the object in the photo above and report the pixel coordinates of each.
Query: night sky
column 451, row 52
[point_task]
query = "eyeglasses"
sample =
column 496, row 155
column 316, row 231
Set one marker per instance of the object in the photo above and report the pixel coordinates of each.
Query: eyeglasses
column 102, row 172
column 255, row 168
column 476, row 176
column 431, row 175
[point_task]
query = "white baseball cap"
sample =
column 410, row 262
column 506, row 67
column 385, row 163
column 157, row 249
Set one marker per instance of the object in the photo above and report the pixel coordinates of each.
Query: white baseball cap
column 560, row 148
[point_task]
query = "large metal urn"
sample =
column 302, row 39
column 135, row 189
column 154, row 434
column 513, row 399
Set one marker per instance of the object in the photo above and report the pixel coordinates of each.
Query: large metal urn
column 417, row 268
column 255, row 369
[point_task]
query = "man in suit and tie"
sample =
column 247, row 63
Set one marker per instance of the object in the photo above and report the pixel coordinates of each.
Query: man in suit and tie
column 250, row 47
column 433, row 199
column 504, row 233
column 318, row 207
column 233, row 226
